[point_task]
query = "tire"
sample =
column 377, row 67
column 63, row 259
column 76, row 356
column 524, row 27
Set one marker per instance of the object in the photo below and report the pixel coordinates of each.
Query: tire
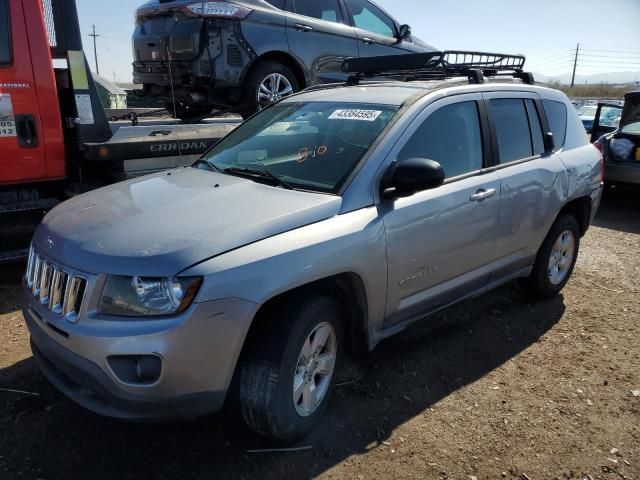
column 544, row 282
column 186, row 111
column 267, row 375
column 259, row 75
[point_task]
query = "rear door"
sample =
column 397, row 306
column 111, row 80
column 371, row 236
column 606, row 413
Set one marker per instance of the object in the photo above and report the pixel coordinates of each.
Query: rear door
column 530, row 175
column 319, row 38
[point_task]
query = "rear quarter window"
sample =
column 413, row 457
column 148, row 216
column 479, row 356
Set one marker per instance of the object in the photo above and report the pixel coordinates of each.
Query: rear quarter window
column 5, row 34
column 557, row 118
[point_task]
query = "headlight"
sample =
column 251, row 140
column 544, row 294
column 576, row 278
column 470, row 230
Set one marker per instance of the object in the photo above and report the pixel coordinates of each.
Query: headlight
column 148, row 296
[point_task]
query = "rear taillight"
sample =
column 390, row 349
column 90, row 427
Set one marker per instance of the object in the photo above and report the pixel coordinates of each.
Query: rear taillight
column 217, row 10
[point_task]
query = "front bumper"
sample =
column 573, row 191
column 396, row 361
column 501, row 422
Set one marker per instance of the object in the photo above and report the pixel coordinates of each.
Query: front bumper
column 199, row 352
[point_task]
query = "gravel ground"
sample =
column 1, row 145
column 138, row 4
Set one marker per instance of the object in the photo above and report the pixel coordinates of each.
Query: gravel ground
column 492, row 388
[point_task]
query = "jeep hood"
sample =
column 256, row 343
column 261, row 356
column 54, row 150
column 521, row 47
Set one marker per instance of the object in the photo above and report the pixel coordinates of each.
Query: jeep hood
column 163, row 223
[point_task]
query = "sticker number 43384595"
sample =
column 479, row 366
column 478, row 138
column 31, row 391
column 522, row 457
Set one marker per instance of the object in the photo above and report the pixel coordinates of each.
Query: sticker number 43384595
column 7, row 121
column 355, row 114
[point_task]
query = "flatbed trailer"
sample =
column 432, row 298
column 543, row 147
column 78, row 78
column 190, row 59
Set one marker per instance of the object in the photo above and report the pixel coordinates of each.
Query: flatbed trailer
column 55, row 138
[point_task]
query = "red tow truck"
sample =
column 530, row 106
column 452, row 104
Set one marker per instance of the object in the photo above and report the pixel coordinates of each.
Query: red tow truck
column 55, row 139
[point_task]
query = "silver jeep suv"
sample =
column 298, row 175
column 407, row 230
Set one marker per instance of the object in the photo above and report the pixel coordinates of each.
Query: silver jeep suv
column 327, row 222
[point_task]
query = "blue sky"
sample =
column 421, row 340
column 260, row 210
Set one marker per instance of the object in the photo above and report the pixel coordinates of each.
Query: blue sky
column 546, row 31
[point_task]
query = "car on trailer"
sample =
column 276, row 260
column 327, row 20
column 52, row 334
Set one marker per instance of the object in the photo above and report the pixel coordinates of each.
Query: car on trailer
column 327, row 222
column 54, row 135
column 246, row 54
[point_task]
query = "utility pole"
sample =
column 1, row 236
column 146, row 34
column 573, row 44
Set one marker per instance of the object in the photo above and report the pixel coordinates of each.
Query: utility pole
column 95, row 48
column 575, row 64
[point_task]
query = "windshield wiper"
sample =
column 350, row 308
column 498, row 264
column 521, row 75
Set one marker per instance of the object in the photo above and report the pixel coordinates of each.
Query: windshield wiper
column 258, row 174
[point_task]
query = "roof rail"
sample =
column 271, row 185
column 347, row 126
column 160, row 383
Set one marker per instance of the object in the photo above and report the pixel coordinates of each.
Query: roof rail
column 437, row 66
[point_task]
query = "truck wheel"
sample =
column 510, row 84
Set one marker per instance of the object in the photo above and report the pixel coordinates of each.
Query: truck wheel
column 555, row 261
column 269, row 82
column 286, row 384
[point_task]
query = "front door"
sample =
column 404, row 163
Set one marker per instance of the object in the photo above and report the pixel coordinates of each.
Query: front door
column 442, row 242
column 377, row 32
column 320, row 39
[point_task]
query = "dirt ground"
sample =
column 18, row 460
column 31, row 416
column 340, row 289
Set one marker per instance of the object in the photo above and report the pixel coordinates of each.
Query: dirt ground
column 492, row 388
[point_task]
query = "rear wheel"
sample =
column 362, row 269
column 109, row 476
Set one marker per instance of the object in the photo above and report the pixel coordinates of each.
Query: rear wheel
column 556, row 259
column 286, row 383
column 269, row 82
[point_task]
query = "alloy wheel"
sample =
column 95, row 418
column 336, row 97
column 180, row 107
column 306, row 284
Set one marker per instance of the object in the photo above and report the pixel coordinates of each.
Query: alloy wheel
column 272, row 89
column 561, row 257
column 314, row 370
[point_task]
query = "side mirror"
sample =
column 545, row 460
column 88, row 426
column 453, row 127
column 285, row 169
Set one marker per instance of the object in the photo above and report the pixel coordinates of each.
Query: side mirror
column 404, row 32
column 405, row 178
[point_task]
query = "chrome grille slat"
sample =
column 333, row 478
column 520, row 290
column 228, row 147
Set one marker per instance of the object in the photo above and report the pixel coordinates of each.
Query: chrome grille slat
column 73, row 300
column 37, row 270
column 45, row 283
column 61, row 291
column 58, row 290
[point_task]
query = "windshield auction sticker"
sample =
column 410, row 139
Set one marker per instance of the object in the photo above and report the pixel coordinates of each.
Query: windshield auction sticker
column 353, row 114
column 7, row 121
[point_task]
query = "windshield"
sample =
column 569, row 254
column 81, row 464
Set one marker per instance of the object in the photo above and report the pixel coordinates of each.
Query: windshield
column 311, row 145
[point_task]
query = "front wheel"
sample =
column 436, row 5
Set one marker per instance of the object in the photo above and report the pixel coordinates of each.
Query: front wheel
column 556, row 259
column 286, row 383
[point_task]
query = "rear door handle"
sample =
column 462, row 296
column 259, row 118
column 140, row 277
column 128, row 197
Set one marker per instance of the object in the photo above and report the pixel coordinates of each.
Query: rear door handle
column 482, row 194
column 26, row 131
column 301, row 27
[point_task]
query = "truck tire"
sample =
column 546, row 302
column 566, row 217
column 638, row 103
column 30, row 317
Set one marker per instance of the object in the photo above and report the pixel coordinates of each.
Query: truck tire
column 287, row 381
column 277, row 82
column 555, row 261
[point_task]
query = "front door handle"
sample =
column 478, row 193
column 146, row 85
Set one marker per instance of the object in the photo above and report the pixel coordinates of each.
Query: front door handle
column 482, row 194
column 368, row 40
column 303, row 28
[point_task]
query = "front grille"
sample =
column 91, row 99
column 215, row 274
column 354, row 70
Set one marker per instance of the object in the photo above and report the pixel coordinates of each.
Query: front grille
column 56, row 287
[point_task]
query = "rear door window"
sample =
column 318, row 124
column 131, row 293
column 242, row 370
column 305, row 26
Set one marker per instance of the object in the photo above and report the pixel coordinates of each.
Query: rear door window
column 328, row 10
column 557, row 118
column 452, row 137
column 512, row 129
column 5, row 33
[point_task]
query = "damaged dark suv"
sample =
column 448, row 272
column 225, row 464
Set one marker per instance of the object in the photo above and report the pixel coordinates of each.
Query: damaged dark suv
column 246, row 54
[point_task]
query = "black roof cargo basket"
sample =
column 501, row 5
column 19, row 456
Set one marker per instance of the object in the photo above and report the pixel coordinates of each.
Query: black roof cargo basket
column 438, row 66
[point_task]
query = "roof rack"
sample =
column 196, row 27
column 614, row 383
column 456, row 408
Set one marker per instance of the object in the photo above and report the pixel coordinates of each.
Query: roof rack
column 437, row 66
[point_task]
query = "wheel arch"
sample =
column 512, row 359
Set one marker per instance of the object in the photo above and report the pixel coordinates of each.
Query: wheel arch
column 347, row 288
column 580, row 209
column 282, row 57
